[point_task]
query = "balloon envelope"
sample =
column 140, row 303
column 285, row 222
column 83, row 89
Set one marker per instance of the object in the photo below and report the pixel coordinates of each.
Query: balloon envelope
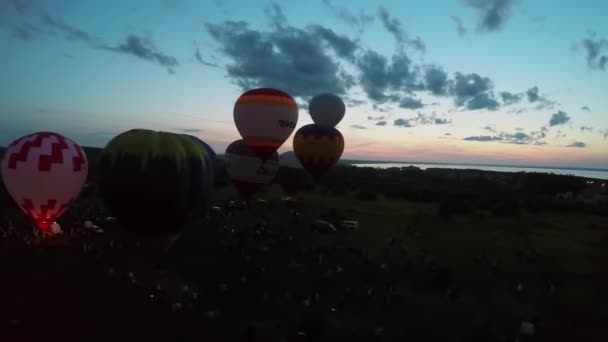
column 44, row 172
column 326, row 109
column 265, row 118
column 210, row 160
column 153, row 182
column 318, row 148
column 247, row 171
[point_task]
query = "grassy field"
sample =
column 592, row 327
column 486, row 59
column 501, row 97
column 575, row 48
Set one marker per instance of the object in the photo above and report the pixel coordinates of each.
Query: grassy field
column 450, row 279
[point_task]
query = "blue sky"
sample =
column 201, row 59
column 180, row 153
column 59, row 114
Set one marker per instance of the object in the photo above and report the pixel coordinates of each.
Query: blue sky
column 531, row 83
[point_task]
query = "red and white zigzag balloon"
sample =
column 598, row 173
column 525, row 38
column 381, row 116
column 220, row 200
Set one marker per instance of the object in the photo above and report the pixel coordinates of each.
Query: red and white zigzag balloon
column 44, row 172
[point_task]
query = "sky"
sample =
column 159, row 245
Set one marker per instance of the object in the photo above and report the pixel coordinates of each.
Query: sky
column 456, row 81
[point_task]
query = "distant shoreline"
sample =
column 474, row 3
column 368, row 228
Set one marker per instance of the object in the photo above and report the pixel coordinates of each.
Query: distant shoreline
column 564, row 168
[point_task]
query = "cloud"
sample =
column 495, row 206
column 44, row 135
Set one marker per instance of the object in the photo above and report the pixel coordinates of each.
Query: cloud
column 490, row 128
column 593, row 51
column 410, row 103
column 493, row 14
column 468, row 86
column 277, row 59
column 26, row 32
column 358, row 127
column 510, row 98
column 402, row 123
column 199, row 58
column 586, row 128
column 517, row 138
column 381, row 123
column 482, row 101
column 71, row 32
column 342, row 45
column 604, row 133
column 577, row 144
column 377, row 75
column 275, row 13
column 382, row 117
column 483, row 138
column 393, row 25
column 144, row 49
column 439, row 121
column 532, row 94
column 459, row 26
column 447, row 134
column 559, row 118
column 518, row 129
column 585, row 108
column 355, row 20
column 21, row 6
column 436, row 80
column 191, row 130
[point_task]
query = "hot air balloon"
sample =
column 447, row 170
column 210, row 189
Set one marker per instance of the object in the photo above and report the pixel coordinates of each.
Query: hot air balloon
column 326, row 109
column 265, row 118
column 210, row 160
column 291, row 175
column 153, row 182
column 318, row 148
column 44, row 172
column 248, row 172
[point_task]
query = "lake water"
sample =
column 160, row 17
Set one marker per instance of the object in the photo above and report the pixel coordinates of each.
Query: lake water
column 599, row 174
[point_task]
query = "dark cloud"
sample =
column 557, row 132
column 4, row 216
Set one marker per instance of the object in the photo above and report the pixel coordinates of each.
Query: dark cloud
column 604, row 133
column 559, row 118
column 493, row 14
column 402, row 123
column 275, row 13
column 540, row 134
column 439, row 121
column 586, row 128
column 436, row 80
column 459, row 26
column 26, row 32
column 355, row 20
column 377, row 75
column 382, row 117
column 516, row 138
column 393, row 25
column 447, row 134
column 191, row 130
column 342, row 45
column 410, row 103
column 21, row 6
column 594, row 47
column 482, row 101
column 144, row 49
column 585, row 108
column 490, row 128
column 277, row 59
column 381, row 123
column 510, row 98
column 358, row 127
column 199, row 58
column 577, row 144
column 532, row 94
column 71, row 32
column 483, row 138
column 468, row 86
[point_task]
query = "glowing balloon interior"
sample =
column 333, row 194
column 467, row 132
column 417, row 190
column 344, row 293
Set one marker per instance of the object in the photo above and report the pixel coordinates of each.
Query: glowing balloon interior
column 265, row 118
column 44, row 172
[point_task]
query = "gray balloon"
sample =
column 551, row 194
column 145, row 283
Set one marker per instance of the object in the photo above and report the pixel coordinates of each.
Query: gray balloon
column 326, row 109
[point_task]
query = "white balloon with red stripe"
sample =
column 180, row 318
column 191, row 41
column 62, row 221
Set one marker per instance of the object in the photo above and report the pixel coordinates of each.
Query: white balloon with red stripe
column 44, row 172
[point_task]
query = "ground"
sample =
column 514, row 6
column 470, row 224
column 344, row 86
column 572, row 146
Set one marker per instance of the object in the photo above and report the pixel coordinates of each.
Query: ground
column 404, row 273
